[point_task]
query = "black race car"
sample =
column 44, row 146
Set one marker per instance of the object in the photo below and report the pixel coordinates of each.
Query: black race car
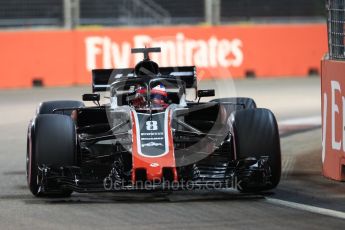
column 150, row 137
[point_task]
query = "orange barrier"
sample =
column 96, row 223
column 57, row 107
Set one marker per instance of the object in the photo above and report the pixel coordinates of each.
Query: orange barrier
column 333, row 119
column 66, row 57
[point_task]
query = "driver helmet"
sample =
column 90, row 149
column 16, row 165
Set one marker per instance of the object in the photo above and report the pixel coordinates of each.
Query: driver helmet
column 139, row 100
column 159, row 96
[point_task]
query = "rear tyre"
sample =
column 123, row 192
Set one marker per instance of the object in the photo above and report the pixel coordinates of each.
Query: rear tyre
column 255, row 134
column 48, row 107
column 51, row 141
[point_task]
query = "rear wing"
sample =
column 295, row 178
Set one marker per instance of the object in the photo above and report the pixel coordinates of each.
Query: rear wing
column 103, row 78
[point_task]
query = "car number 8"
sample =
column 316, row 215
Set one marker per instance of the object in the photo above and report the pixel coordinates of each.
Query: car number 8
column 151, row 125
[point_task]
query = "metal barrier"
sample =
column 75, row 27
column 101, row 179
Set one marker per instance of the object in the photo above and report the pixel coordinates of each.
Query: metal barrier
column 332, row 86
column 336, row 22
column 122, row 12
column 72, row 13
column 24, row 13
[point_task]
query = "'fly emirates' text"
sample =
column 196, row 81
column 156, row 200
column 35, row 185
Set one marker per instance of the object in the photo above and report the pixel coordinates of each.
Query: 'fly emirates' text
column 102, row 52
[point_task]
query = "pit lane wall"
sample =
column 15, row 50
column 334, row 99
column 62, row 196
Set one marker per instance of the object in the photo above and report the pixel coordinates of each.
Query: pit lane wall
column 65, row 57
column 333, row 119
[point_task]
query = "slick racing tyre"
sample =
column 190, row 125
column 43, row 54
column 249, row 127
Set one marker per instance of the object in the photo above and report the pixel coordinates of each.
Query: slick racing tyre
column 49, row 106
column 255, row 134
column 51, row 141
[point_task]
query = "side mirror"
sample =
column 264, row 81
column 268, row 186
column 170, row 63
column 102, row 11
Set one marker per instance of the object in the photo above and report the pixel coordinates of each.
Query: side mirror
column 206, row 93
column 91, row 97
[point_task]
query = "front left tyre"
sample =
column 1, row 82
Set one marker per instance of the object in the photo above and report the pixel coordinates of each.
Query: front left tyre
column 51, row 141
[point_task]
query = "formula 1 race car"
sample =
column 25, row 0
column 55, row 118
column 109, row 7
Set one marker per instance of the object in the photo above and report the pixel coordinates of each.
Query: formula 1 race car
column 148, row 136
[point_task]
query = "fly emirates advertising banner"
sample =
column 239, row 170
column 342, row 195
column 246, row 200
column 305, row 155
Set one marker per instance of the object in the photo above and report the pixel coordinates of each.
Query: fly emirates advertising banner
column 66, row 57
column 333, row 119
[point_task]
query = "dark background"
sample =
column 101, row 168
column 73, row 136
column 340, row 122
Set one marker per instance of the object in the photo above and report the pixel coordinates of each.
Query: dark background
column 113, row 12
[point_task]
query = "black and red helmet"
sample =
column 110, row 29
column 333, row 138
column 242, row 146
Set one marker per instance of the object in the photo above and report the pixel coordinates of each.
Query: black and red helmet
column 159, row 96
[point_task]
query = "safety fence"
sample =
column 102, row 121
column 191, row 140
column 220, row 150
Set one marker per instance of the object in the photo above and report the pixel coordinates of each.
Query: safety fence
column 75, row 13
column 336, row 22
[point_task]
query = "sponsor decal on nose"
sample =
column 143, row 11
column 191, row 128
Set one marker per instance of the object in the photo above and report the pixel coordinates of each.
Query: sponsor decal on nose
column 154, row 165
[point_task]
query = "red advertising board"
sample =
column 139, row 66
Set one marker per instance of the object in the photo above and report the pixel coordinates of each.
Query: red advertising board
column 66, row 57
column 333, row 119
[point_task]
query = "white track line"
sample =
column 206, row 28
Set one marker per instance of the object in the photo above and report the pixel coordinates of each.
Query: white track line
column 313, row 120
column 308, row 208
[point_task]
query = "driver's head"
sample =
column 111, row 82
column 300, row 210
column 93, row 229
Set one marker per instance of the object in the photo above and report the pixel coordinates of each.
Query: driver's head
column 159, row 96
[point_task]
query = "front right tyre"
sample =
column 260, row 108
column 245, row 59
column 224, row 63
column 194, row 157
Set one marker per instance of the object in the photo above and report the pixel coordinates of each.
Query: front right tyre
column 255, row 134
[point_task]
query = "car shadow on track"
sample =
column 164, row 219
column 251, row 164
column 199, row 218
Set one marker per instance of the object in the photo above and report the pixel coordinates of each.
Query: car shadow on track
column 155, row 197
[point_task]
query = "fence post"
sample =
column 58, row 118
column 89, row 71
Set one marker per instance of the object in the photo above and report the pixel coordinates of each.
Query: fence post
column 71, row 13
column 76, row 13
column 212, row 11
column 216, row 12
column 67, row 14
